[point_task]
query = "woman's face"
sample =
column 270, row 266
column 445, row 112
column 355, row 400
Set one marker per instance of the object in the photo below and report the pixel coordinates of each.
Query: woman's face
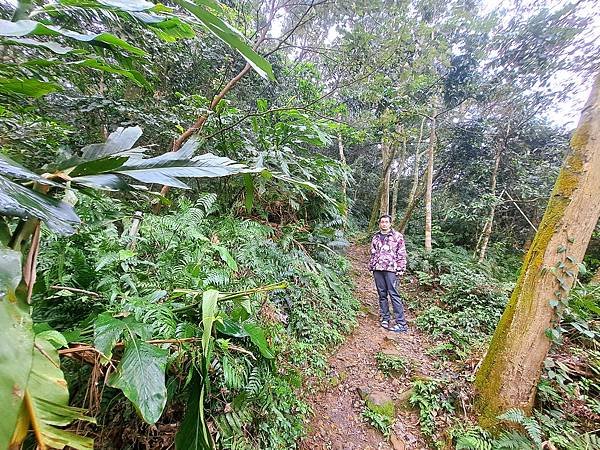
column 385, row 224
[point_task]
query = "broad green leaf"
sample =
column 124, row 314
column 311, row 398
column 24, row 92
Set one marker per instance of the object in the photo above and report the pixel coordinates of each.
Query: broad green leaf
column 193, row 433
column 227, row 34
column 141, row 377
column 107, row 332
column 12, row 169
column 107, row 182
column 101, row 165
column 106, row 164
column 128, row 5
column 166, row 168
column 133, row 75
column 168, row 29
column 48, row 402
column 241, row 312
column 54, row 337
column 28, row 87
column 19, row 201
column 226, row 257
column 22, row 28
column 47, row 380
column 52, row 46
column 257, row 336
column 134, row 328
column 209, row 316
column 16, row 344
column 231, row 328
column 118, row 141
column 206, row 166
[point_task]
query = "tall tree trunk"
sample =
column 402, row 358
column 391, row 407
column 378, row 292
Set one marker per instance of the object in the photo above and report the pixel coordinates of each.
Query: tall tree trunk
column 377, row 204
column 412, row 196
column 396, row 186
column 429, row 182
column 384, row 200
column 415, row 182
column 487, row 229
column 512, row 366
column 410, row 208
column 395, row 189
column 344, row 179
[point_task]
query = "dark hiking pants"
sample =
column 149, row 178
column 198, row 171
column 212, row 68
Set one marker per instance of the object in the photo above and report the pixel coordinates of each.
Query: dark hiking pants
column 386, row 286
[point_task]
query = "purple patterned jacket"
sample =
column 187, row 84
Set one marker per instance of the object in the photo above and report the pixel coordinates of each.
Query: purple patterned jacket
column 388, row 252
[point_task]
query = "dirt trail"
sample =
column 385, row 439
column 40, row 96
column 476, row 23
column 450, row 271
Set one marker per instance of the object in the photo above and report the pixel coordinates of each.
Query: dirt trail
column 337, row 423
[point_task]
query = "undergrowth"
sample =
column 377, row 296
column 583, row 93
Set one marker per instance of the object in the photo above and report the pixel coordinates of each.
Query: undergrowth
column 253, row 401
column 459, row 303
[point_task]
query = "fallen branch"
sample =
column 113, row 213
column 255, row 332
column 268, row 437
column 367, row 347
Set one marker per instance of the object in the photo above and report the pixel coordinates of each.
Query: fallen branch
column 72, row 289
column 91, row 348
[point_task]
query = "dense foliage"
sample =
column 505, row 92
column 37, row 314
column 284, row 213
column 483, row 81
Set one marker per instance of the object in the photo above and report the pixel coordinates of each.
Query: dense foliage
column 196, row 317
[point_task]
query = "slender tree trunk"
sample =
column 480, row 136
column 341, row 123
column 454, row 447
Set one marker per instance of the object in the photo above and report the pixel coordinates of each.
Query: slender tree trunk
column 343, row 161
column 429, row 182
column 512, row 366
column 410, row 208
column 395, row 189
column 415, row 182
column 487, row 229
column 396, row 186
column 344, row 179
column 376, row 209
column 384, row 200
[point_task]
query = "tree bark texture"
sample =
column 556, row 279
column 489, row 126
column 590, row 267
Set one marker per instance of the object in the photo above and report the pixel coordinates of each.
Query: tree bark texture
column 386, row 155
column 396, row 185
column 512, row 366
column 415, row 181
column 344, row 179
column 429, row 182
column 376, row 210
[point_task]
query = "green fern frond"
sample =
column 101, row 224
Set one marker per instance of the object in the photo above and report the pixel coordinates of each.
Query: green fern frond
column 533, row 428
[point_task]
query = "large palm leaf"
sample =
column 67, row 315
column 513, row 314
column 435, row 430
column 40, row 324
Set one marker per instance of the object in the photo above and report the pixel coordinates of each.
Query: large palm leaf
column 114, row 165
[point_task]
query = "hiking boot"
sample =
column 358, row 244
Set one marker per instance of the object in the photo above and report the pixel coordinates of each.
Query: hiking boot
column 385, row 324
column 399, row 329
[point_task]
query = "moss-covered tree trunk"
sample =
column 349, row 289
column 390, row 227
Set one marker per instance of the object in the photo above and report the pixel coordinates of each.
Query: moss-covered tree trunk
column 512, row 366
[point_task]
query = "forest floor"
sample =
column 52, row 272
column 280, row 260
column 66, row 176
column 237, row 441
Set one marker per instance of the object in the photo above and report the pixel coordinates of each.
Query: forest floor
column 337, row 421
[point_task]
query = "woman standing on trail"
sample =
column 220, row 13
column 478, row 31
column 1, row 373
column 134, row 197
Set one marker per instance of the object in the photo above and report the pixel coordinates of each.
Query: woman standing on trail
column 388, row 261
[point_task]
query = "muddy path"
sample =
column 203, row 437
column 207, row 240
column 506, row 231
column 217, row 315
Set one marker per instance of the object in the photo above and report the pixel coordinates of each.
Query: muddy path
column 337, row 421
